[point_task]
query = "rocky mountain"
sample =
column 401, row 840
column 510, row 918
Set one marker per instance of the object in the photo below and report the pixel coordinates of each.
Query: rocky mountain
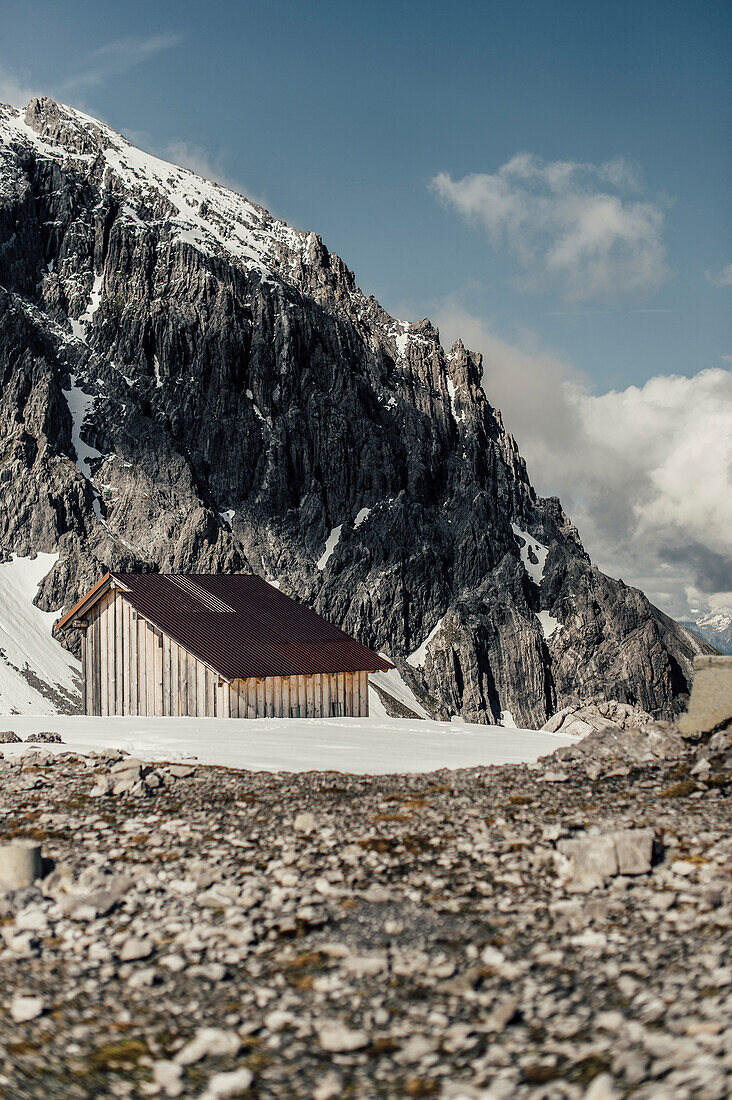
column 715, row 628
column 189, row 384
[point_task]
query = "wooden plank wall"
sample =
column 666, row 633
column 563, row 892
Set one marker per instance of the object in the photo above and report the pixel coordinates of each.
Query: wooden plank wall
column 132, row 667
column 322, row 696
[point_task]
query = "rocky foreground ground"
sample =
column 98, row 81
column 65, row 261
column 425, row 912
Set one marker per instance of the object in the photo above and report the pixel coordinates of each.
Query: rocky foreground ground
column 554, row 930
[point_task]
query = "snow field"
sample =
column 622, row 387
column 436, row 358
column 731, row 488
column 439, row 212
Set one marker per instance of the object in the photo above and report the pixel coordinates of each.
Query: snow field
column 358, row 746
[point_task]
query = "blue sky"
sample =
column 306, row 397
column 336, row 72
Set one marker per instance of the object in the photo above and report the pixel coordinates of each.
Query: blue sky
column 338, row 115
column 393, row 129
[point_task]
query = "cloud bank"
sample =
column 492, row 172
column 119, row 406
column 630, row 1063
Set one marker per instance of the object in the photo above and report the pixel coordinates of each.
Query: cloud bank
column 646, row 472
column 580, row 227
column 118, row 57
column 14, row 89
column 721, row 278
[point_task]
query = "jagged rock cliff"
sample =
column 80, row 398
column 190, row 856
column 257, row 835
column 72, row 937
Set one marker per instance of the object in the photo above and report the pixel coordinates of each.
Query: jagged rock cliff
column 191, row 385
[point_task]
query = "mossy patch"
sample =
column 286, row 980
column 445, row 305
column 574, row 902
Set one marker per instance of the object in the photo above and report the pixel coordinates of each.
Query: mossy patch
column 123, row 1054
column 680, row 790
column 420, row 1086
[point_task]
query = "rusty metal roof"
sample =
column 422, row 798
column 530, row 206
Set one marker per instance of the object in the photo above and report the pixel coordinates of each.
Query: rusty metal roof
column 241, row 626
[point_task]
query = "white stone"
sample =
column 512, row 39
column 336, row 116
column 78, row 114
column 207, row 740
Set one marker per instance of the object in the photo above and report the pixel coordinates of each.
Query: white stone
column 25, row 1008
column 223, row 1085
column 592, row 859
column 180, row 771
column 208, row 1042
column 710, row 703
column 174, row 963
column 682, row 867
column 278, row 1019
column 491, row 956
column 305, row 823
column 128, row 764
column 634, row 848
column 503, row 1012
column 330, row 1086
column 363, row 965
column 136, row 948
column 103, row 786
column 168, row 1076
column 337, row 1038
column 602, row 1088
column 32, row 919
column 415, row 1049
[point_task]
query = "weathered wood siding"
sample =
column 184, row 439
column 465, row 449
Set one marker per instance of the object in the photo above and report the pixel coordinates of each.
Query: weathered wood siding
column 132, row 667
column 323, row 696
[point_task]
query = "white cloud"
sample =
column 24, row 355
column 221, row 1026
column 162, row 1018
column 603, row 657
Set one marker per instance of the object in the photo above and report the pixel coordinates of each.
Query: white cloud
column 522, row 380
column 112, row 59
column 581, row 227
column 646, row 472
column 200, row 161
column 653, row 474
column 15, row 90
column 119, row 57
column 721, row 278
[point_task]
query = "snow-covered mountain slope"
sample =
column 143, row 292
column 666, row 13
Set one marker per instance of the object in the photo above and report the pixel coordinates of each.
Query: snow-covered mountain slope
column 190, row 209
column 190, row 385
column 714, row 627
column 37, row 676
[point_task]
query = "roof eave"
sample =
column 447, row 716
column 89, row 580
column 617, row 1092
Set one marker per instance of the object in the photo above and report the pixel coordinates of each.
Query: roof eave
column 86, row 602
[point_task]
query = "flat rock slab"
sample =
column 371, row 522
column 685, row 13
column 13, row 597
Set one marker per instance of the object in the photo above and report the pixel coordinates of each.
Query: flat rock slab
column 595, row 859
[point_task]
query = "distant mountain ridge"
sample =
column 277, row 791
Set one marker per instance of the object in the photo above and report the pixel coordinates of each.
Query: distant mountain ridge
column 714, row 627
column 191, row 385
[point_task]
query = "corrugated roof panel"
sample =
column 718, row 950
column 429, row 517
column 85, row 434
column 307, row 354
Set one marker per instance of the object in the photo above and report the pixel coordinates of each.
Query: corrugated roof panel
column 241, row 626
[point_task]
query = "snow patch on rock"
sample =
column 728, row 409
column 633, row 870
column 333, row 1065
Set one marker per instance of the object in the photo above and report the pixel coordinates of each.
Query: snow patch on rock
column 80, row 404
column 451, row 391
column 533, row 553
column 330, row 544
column 549, row 624
column 418, row 658
column 201, row 213
column 393, row 684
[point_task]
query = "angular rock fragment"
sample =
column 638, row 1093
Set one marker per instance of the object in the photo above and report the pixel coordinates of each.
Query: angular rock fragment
column 337, row 1038
column 208, row 1042
column 595, row 859
column 634, row 848
column 135, row 948
column 23, row 1009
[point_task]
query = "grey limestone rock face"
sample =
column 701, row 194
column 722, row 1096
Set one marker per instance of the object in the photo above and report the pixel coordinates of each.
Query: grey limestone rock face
column 190, row 385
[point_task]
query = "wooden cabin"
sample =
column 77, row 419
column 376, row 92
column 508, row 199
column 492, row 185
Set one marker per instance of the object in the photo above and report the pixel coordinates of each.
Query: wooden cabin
column 207, row 646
